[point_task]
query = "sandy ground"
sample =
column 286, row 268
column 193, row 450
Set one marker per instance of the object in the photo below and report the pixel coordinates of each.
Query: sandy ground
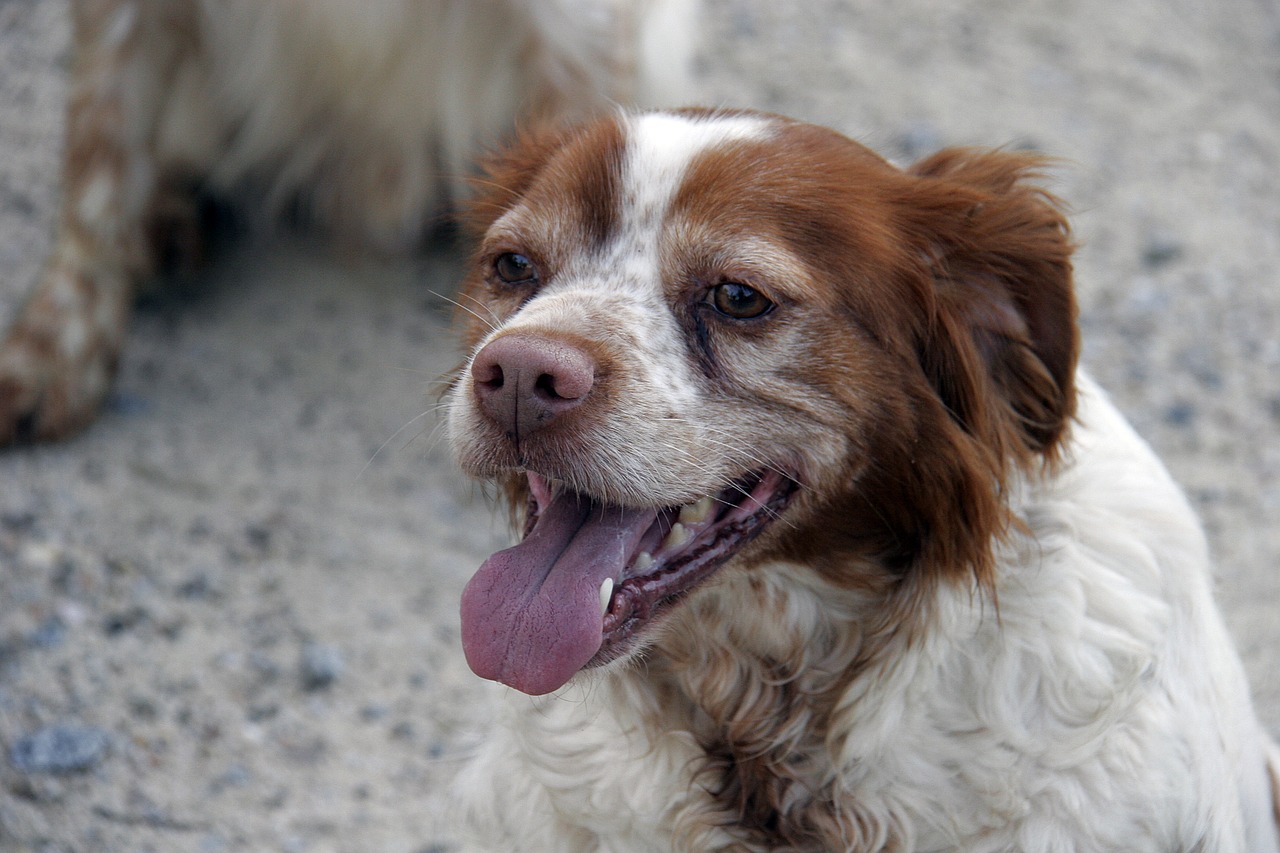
column 236, row 594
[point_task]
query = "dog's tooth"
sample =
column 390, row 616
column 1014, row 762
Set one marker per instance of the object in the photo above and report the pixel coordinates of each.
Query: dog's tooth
column 678, row 535
column 643, row 561
column 606, row 593
column 697, row 512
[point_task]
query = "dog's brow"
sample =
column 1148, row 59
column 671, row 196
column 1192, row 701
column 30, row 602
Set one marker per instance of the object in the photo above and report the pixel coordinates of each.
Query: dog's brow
column 660, row 148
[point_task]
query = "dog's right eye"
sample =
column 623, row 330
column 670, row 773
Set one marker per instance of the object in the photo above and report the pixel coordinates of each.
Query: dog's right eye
column 514, row 268
column 739, row 301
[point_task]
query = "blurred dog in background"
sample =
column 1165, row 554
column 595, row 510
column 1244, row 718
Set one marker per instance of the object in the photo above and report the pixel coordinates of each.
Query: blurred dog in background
column 359, row 116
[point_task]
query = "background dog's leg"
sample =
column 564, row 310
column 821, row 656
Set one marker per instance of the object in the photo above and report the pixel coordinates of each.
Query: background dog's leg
column 58, row 359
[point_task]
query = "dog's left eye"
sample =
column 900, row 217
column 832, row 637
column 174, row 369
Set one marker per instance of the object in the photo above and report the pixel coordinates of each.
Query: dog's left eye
column 514, row 268
column 739, row 301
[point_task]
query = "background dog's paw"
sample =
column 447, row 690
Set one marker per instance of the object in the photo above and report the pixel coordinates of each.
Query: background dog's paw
column 58, row 359
column 44, row 396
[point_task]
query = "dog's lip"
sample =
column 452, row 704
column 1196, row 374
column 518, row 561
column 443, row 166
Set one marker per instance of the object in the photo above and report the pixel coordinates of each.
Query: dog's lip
column 684, row 547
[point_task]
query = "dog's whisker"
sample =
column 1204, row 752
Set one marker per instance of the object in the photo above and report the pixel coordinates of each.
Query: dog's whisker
column 438, row 432
column 417, row 371
column 489, row 324
column 373, row 456
column 485, row 307
column 758, row 461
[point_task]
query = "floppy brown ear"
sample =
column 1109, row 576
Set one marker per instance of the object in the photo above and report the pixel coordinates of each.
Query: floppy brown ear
column 1002, row 344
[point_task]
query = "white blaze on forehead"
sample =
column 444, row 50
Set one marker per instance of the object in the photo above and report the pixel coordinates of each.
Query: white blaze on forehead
column 660, row 148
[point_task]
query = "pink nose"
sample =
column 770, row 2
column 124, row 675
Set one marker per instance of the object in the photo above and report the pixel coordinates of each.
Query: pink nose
column 524, row 381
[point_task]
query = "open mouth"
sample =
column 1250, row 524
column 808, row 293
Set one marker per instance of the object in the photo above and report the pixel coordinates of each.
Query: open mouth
column 588, row 577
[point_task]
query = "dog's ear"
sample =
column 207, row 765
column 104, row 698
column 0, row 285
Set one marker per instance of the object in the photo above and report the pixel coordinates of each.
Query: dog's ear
column 1001, row 344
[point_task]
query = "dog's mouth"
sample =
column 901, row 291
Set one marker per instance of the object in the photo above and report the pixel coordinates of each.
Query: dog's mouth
column 588, row 577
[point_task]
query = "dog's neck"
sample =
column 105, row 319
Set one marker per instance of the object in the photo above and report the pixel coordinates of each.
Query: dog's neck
column 766, row 667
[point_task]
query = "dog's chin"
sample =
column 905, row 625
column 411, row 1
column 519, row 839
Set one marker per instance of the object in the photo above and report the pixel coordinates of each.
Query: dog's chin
column 590, row 580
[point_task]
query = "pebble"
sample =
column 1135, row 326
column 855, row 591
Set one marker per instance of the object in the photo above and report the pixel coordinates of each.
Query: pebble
column 49, row 634
column 321, row 665
column 198, row 587
column 214, row 843
column 127, row 404
column 61, row 749
column 374, row 712
column 919, row 140
column 1180, row 414
column 235, row 776
column 1161, row 249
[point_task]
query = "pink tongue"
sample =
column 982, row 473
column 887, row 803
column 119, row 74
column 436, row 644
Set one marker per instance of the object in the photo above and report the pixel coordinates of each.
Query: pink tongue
column 531, row 614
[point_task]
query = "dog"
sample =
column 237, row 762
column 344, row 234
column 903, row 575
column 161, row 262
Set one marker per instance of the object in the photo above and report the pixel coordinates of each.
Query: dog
column 357, row 117
column 829, row 545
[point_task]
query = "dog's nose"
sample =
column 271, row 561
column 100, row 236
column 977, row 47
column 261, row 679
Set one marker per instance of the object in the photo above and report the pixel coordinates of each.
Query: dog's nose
column 523, row 382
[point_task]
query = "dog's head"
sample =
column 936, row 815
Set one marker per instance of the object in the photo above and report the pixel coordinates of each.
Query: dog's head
column 703, row 340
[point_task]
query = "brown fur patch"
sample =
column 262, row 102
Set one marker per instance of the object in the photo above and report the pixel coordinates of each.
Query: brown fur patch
column 574, row 169
column 958, row 273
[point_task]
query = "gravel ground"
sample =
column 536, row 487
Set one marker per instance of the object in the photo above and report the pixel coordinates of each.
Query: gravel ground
column 228, row 611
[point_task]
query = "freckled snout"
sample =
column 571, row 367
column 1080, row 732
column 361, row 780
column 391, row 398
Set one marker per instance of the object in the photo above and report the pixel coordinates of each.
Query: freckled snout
column 523, row 382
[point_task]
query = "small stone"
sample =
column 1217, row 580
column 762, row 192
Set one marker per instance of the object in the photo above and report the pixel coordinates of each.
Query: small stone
column 263, row 666
column 1180, row 414
column 120, row 622
column 49, row 634
column 374, row 713
column 38, row 789
column 61, row 749
column 1161, row 250
column 214, row 843
column 19, row 522
column 321, row 665
column 259, row 712
column 126, row 404
column 258, row 536
column 198, row 587
column 236, row 776
column 918, row 140
column 143, row 708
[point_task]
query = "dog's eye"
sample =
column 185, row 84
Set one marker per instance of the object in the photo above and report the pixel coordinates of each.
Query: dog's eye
column 739, row 301
column 514, row 268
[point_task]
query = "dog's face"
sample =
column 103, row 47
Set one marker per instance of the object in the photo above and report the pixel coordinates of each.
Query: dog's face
column 702, row 341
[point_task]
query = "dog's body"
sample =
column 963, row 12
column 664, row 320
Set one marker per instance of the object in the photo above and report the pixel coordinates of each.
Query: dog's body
column 943, row 597
column 363, row 117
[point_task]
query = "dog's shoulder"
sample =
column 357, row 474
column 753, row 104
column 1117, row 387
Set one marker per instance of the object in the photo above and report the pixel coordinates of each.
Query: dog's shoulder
column 1101, row 675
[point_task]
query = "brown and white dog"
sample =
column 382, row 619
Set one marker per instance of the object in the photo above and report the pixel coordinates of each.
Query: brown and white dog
column 364, row 112
column 829, row 545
